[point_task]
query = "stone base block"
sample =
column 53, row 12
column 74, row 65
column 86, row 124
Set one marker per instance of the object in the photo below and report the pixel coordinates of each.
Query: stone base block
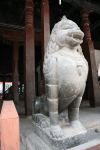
column 72, row 136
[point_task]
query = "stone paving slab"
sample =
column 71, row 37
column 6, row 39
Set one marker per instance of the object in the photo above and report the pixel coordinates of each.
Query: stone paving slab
column 97, row 147
column 26, row 128
column 89, row 117
column 92, row 145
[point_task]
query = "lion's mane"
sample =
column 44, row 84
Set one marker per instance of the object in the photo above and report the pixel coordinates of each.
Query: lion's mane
column 52, row 46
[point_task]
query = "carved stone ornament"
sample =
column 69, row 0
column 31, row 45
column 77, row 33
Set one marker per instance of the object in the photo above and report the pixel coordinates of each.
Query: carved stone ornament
column 65, row 71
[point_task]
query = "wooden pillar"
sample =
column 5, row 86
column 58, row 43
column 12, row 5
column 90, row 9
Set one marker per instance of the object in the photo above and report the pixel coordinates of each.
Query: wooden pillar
column 3, row 86
column 29, row 58
column 21, row 84
column 93, row 85
column 40, row 83
column 45, row 31
column 15, row 73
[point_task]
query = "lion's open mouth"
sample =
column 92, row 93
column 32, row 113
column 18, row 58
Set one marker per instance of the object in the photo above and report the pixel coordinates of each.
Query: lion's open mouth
column 78, row 37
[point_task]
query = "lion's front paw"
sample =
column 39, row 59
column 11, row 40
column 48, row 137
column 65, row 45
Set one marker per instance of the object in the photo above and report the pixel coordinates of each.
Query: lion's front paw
column 56, row 131
column 77, row 125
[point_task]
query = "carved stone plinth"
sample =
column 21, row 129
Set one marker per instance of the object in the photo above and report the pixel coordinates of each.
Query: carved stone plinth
column 72, row 137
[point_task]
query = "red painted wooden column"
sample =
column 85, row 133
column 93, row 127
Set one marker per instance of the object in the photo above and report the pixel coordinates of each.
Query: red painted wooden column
column 0, row 126
column 29, row 58
column 45, row 30
column 10, row 138
column 15, row 78
column 93, row 85
column 3, row 86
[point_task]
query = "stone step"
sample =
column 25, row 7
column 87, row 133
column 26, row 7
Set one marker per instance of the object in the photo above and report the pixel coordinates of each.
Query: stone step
column 32, row 142
column 87, row 145
column 38, row 145
column 22, row 146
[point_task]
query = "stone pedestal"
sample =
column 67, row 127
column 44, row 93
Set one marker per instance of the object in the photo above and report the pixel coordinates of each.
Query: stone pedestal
column 72, row 137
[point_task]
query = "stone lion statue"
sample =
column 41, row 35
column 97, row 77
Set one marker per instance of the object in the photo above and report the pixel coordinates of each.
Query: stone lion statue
column 65, row 71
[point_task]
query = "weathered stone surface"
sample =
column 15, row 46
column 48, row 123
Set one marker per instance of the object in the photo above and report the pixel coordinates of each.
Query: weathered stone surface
column 72, row 137
column 65, row 71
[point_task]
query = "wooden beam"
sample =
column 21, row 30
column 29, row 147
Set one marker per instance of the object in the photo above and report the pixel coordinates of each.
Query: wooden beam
column 85, row 4
column 72, row 9
column 12, row 35
column 95, row 25
column 15, row 35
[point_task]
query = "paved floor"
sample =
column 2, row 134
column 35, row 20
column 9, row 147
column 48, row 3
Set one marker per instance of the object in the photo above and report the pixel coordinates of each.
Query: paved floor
column 92, row 145
column 93, row 131
column 89, row 117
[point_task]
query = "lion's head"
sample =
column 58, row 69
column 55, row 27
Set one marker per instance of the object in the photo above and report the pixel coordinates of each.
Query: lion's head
column 64, row 34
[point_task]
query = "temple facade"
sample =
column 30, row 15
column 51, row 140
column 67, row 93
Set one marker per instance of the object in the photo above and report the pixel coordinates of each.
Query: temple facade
column 23, row 47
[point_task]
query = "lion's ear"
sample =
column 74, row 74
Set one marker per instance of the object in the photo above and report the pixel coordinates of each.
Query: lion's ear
column 64, row 18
